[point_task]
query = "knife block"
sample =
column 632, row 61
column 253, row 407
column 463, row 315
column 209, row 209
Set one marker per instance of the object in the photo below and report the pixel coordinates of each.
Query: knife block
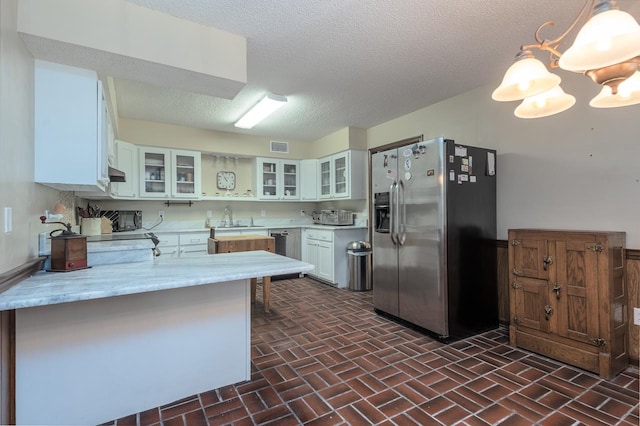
column 68, row 253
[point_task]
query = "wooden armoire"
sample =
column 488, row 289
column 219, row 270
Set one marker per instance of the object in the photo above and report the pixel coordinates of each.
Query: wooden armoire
column 568, row 299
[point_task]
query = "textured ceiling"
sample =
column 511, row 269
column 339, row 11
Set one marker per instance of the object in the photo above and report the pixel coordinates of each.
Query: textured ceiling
column 349, row 62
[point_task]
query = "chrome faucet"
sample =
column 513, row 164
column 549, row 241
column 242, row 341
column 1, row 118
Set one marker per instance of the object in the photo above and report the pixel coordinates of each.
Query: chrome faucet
column 228, row 213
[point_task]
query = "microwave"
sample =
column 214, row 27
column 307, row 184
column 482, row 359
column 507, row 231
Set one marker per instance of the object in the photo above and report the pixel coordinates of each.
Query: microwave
column 124, row 220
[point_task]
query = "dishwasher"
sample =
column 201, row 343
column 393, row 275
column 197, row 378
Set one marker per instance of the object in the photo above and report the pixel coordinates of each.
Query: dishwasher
column 287, row 242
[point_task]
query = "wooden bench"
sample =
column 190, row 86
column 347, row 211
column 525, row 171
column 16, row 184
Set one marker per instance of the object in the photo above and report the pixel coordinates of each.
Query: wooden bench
column 237, row 243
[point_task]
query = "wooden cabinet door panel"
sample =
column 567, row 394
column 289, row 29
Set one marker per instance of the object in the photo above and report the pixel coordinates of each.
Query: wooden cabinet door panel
column 577, row 277
column 529, row 258
column 531, row 298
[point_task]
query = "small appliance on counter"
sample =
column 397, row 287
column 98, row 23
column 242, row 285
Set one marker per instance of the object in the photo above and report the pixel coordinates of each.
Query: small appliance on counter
column 317, row 218
column 68, row 249
column 336, row 217
column 124, row 220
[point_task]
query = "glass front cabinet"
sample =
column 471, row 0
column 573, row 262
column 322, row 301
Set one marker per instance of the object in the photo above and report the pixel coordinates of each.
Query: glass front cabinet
column 343, row 175
column 278, row 179
column 340, row 175
column 185, row 182
column 168, row 173
column 334, row 176
column 324, row 176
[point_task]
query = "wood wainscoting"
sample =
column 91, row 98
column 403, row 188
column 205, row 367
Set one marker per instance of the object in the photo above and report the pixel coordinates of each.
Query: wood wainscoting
column 7, row 340
column 633, row 287
column 502, row 258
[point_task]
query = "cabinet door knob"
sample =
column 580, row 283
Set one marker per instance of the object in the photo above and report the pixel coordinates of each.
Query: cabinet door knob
column 556, row 288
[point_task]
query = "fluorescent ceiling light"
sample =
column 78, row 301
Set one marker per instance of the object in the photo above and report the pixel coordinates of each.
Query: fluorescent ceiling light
column 261, row 110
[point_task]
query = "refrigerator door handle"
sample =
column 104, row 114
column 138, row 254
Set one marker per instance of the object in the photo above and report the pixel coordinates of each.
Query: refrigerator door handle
column 392, row 214
column 402, row 222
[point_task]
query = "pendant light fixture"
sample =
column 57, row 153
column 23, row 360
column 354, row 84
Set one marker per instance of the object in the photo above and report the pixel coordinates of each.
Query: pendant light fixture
column 607, row 49
column 548, row 103
column 526, row 77
column 628, row 94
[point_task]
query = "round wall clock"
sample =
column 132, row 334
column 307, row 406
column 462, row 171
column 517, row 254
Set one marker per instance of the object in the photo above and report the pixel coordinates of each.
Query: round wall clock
column 226, row 180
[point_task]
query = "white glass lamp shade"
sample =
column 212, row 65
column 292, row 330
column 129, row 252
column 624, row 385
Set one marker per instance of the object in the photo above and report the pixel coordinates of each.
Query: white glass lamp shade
column 526, row 77
column 606, row 39
column 545, row 104
column 628, row 94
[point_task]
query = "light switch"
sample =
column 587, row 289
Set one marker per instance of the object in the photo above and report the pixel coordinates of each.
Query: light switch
column 636, row 316
column 8, row 220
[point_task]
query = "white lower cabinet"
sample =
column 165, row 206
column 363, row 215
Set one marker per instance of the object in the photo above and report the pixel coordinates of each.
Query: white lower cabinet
column 326, row 249
column 183, row 244
column 168, row 244
column 324, row 263
column 193, row 244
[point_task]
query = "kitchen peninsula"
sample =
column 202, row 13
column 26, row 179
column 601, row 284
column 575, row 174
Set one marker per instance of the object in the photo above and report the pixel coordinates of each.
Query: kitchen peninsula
column 100, row 343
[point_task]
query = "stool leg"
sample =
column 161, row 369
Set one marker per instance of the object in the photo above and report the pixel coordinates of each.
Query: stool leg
column 254, row 281
column 266, row 287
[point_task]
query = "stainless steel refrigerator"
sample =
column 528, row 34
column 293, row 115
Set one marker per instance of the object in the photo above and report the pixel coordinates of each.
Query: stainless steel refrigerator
column 434, row 236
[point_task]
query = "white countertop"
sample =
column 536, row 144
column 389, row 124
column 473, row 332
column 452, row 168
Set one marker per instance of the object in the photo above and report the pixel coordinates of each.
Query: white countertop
column 102, row 246
column 335, row 227
column 254, row 228
column 260, row 224
column 48, row 288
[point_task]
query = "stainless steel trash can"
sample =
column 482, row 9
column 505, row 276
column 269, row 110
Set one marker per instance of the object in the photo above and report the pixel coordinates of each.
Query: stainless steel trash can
column 359, row 254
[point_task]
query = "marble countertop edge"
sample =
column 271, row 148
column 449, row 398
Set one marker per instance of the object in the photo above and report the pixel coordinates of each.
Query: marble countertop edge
column 48, row 288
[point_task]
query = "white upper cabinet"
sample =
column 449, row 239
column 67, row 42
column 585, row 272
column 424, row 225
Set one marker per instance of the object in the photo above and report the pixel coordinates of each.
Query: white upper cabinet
column 309, row 180
column 169, row 173
column 278, row 179
column 126, row 160
column 154, row 172
column 185, row 174
column 70, row 128
column 342, row 175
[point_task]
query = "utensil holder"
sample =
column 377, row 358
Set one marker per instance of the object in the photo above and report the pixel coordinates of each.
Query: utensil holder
column 91, row 226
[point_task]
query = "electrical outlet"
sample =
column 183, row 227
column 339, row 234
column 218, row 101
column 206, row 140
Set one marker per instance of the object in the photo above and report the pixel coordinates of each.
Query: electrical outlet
column 161, row 214
column 8, row 220
column 263, row 213
column 209, row 213
column 636, row 316
column 301, row 212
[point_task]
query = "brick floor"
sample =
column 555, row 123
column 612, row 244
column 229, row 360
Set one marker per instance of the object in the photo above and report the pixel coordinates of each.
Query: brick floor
column 324, row 357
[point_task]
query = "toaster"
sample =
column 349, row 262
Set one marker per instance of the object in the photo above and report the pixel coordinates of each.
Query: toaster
column 336, row 217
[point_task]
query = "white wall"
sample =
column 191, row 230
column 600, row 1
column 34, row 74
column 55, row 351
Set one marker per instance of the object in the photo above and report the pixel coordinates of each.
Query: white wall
column 17, row 190
column 174, row 136
column 194, row 217
column 150, row 133
column 576, row 170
